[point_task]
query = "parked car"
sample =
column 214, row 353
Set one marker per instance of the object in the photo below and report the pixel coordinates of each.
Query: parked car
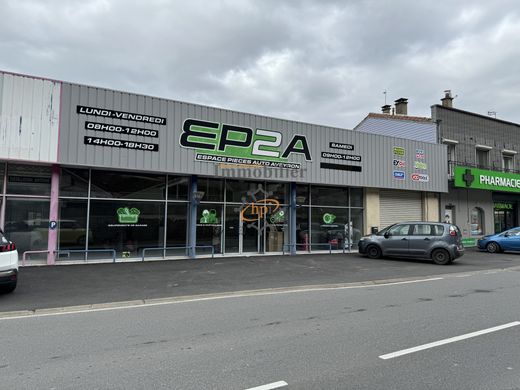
column 8, row 265
column 505, row 241
column 440, row 242
column 27, row 234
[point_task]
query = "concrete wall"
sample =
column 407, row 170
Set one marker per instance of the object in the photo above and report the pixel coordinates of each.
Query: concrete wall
column 463, row 201
column 431, row 207
column 371, row 208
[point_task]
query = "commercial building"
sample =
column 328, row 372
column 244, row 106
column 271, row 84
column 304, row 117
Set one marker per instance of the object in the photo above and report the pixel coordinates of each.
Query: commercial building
column 484, row 185
column 483, row 170
column 97, row 170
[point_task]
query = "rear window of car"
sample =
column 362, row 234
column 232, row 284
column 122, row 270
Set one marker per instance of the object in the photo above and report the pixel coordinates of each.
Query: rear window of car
column 456, row 228
column 3, row 239
column 425, row 229
column 437, row 230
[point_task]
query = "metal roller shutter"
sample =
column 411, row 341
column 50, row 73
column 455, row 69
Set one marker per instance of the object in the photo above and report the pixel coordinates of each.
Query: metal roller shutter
column 398, row 206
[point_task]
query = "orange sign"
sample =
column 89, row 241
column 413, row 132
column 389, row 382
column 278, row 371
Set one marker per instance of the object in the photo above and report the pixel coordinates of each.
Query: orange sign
column 257, row 210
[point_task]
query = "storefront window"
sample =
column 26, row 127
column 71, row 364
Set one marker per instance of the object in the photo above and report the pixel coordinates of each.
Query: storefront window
column 241, row 191
column 278, row 191
column 126, row 226
column 329, row 225
column 109, row 184
column 28, row 180
column 178, row 187
column 209, row 227
column 302, row 229
column 74, row 182
column 356, row 221
column 302, row 194
column 72, row 225
column 277, row 230
column 356, row 197
column 477, row 222
column 27, row 223
column 177, row 224
column 2, row 174
column 213, row 189
column 329, row 196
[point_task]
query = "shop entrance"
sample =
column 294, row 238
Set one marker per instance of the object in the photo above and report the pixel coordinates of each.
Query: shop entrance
column 504, row 216
column 262, row 227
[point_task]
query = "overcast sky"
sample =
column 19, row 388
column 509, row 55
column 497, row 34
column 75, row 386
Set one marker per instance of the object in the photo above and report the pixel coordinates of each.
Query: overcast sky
column 325, row 62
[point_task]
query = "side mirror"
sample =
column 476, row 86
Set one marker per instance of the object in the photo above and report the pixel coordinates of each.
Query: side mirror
column 387, row 234
column 507, row 234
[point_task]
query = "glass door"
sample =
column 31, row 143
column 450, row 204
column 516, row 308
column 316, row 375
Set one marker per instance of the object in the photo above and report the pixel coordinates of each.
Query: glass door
column 251, row 234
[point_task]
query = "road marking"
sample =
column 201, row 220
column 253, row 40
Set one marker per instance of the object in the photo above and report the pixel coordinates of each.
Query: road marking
column 270, row 386
column 447, row 341
column 176, row 300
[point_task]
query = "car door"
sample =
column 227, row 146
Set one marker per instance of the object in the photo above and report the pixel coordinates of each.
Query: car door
column 395, row 241
column 421, row 239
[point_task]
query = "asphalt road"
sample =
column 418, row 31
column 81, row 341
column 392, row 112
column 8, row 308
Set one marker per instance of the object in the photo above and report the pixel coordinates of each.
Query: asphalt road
column 48, row 287
column 322, row 339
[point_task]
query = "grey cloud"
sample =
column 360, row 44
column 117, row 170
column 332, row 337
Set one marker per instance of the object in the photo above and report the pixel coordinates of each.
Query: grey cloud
column 319, row 61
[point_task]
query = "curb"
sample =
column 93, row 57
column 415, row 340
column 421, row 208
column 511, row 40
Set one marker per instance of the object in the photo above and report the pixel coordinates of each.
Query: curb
column 235, row 294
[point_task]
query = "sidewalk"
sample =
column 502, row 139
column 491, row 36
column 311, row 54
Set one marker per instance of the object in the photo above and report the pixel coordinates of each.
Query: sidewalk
column 60, row 286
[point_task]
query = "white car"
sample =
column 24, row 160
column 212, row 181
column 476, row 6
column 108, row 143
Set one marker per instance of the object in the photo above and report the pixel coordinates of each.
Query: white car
column 8, row 265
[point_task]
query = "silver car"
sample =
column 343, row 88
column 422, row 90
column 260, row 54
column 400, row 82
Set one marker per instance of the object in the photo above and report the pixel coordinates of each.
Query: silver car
column 440, row 242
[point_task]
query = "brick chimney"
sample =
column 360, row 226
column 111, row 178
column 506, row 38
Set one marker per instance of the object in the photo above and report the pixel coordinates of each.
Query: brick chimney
column 447, row 100
column 401, row 106
column 386, row 109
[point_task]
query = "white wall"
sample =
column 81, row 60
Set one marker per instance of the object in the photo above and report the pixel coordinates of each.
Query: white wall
column 29, row 118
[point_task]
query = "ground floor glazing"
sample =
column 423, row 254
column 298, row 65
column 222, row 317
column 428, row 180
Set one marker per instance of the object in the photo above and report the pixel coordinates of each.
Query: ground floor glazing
column 99, row 210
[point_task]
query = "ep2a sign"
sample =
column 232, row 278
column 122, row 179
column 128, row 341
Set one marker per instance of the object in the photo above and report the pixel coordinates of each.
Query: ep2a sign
column 223, row 143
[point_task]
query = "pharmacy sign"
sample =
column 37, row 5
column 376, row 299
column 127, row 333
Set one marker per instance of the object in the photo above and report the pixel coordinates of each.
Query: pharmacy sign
column 484, row 179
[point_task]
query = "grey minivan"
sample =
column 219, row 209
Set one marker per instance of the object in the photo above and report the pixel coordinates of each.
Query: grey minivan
column 440, row 242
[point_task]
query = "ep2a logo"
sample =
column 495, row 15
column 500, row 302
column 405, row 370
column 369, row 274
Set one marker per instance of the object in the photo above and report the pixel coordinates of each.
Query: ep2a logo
column 240, row 142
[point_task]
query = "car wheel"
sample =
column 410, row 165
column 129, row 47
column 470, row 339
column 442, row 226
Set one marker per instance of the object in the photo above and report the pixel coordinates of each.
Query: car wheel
column 8, row 289
column 493, row 247
column 373, row 252
column 441, row 257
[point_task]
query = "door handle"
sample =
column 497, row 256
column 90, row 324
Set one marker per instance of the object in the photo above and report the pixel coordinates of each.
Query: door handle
column 426, row 239
column 404, row 239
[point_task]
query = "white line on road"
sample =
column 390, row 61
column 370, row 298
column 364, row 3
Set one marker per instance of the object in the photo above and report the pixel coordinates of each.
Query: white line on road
column 270, row 386
column 177, row 300
column 447, row 341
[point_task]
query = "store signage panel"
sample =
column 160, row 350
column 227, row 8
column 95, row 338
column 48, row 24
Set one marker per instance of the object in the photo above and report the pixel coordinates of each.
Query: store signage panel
column 117, row 129
column 223, row 143
column 484, row 179
column 130, row 116
column 123, row 144
column 339, row 145
column 197, row 140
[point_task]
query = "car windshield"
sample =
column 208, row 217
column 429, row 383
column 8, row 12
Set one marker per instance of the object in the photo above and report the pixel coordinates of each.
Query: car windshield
column 383, row 231
column 511, row 232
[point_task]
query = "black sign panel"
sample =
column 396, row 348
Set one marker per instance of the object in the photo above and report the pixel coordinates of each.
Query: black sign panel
column 129, row 116
column 339, row 156
column 340, row 167
column 337, row 145
column 116, row 143
column 118, row 129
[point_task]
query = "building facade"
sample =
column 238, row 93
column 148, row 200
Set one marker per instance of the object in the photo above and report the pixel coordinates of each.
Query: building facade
column 483, row 169
column 91, row 172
